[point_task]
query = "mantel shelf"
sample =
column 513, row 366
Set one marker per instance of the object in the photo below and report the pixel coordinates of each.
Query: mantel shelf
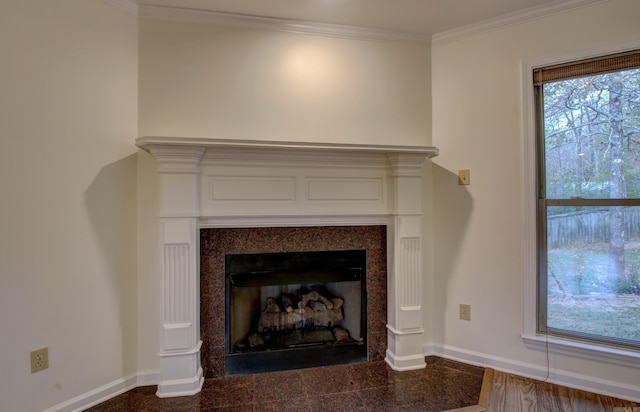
column 147, row 142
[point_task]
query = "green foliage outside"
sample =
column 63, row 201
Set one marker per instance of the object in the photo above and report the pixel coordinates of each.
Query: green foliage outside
column 582, row 298
column 582, row 270
column 586, row 136
column 597, row 318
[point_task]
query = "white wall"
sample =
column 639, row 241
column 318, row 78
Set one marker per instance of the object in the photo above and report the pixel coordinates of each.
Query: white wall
column 215, row 82
column 479, row 239
column 68, row 118
column 148, row 269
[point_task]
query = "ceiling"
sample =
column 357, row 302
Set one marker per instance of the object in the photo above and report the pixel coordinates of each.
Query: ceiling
column 424, row 17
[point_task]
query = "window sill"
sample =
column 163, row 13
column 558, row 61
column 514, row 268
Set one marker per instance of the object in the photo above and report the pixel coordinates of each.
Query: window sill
column 583, row 350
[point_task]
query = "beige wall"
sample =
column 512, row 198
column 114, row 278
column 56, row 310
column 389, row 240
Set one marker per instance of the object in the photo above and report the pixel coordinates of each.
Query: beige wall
column 477, row 124
column 207, row 81
column 68, row 117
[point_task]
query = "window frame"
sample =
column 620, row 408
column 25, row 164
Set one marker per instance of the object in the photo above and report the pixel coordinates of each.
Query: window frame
column 533, row 335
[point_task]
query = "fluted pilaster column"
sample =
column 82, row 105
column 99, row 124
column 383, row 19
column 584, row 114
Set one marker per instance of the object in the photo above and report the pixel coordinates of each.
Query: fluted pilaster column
column 180, row 367
column 404, row 280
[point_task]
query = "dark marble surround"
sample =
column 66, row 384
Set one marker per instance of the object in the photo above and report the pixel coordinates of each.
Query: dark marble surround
column 216, row 243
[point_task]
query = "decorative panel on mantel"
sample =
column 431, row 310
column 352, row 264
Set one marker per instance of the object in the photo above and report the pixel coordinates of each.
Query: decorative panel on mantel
column 276, row 189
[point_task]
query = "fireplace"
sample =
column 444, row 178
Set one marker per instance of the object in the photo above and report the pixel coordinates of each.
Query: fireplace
column 294, row 310
column 350, row 261
column 215, row 184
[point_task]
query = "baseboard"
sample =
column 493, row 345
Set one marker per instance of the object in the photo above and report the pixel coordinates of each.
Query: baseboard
column 528, row 370
column 148, row 378
column 106, row 392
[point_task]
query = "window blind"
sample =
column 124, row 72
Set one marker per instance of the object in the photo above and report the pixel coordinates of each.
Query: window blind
column 605, row 64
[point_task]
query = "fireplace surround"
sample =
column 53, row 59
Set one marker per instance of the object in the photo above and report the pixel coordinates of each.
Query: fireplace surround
column 219, row 243
column 215, row 183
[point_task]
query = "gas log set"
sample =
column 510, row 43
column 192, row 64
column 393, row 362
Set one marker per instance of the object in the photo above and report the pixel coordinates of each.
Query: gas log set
column 305, row 317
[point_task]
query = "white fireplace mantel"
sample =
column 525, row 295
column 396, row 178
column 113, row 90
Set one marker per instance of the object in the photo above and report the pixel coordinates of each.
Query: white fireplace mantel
column 240, row 183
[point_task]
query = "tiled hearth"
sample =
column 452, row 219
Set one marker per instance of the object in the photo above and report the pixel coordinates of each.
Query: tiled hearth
column 232, row 184
column 216, row 243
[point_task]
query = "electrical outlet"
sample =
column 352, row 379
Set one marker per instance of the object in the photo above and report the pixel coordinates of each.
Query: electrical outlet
column 464, row 177
column 465, row 312
column 39, row 359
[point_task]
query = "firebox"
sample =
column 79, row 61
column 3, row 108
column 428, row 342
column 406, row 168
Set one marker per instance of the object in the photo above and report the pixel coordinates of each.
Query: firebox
column 294, row 310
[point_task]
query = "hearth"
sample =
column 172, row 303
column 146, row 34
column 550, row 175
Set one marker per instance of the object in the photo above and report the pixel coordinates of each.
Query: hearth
column 294, row 310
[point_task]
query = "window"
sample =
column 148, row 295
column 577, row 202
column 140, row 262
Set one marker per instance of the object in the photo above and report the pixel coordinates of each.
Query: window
column 588, row 200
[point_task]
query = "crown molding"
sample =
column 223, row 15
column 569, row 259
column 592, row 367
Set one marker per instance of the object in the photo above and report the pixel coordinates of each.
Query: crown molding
column 343, row 31
column 130, row 6
column 282, row 25
column 509, row 19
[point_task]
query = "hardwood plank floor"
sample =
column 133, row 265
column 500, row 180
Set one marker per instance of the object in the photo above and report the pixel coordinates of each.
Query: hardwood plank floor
column 511, row 393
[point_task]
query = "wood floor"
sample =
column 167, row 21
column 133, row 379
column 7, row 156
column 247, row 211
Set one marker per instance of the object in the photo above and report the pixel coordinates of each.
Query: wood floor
column 511, row 393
